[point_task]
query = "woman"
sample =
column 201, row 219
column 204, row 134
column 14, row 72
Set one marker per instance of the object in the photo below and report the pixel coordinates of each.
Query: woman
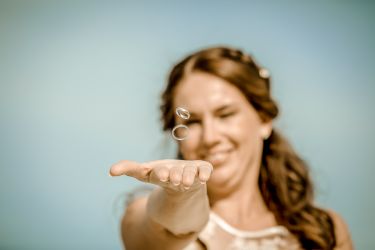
column 237, row 184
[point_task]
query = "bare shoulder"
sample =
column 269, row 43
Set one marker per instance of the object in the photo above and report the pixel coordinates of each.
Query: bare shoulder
column 137, row 204
column 132, row 225
column 134, row 211
column 343, row 237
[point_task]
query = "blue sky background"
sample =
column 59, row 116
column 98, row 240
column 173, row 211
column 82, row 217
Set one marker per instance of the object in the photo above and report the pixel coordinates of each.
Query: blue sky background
column 79, row 90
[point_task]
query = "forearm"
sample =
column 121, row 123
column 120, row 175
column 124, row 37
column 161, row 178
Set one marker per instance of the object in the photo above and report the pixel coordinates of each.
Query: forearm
column 140, row 232
column 179, row 213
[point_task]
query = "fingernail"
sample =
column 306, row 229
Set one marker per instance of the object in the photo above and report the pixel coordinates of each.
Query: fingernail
column 175, row 183
column 186, row 188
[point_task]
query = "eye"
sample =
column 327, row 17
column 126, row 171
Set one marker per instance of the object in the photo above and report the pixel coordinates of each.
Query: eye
column 192, row 121
column 227, row 114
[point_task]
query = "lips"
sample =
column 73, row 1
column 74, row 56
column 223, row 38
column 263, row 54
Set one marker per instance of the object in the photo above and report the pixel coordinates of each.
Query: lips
column 217, row 158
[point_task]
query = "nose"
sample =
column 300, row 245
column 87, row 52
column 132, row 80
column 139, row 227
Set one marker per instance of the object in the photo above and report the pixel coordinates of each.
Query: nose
column 210, row 133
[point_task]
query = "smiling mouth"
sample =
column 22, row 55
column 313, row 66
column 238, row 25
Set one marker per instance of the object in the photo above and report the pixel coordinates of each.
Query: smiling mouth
column 217, row 158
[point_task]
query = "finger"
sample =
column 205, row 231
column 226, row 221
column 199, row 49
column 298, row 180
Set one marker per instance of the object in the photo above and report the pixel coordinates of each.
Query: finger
column 175, row 175
column 160, row 170
column 159, row 174
column 204, row 171
column 130, row 168
column 188, row 176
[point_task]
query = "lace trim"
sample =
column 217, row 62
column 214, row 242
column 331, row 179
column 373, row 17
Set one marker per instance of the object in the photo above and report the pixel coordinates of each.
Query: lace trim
column 276, row 230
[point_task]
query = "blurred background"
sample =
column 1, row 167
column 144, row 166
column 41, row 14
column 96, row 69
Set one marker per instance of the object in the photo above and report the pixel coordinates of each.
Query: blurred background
column 79, row 90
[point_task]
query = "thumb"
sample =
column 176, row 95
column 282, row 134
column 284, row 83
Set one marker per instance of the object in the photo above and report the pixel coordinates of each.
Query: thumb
column 124, row 167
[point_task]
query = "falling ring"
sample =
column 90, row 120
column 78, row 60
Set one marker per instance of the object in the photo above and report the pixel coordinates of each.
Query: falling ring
column 177, row 127
column 183, row 113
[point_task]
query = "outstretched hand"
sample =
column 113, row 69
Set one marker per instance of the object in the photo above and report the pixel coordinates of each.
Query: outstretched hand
column 178, row 175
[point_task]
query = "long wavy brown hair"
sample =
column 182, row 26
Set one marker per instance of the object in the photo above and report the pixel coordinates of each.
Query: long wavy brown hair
column 284, row 178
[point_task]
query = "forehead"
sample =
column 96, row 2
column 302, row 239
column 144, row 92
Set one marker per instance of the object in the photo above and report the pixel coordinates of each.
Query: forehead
column 199, row 91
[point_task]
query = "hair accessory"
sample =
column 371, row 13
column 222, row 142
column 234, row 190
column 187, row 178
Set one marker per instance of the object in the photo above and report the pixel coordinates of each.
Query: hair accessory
column 264, row 73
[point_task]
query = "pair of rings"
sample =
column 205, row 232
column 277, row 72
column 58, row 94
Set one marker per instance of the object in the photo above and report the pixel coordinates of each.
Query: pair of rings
column 184, row 114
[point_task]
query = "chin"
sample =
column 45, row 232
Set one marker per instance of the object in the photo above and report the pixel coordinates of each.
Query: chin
column 222, row 174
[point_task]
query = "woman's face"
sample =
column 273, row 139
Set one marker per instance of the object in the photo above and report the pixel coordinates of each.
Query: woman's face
column 224, row 128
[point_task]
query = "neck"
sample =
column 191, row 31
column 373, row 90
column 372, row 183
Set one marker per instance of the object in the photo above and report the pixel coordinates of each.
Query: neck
column 244, row 208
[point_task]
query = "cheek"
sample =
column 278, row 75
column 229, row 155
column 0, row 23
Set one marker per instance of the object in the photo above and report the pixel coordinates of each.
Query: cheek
column 189, row 146
column 245, row 132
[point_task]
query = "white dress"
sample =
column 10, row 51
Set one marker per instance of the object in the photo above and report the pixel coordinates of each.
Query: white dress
column 230, row 238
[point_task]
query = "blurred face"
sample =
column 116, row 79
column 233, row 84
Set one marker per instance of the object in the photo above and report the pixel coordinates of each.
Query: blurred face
column 224, row 128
